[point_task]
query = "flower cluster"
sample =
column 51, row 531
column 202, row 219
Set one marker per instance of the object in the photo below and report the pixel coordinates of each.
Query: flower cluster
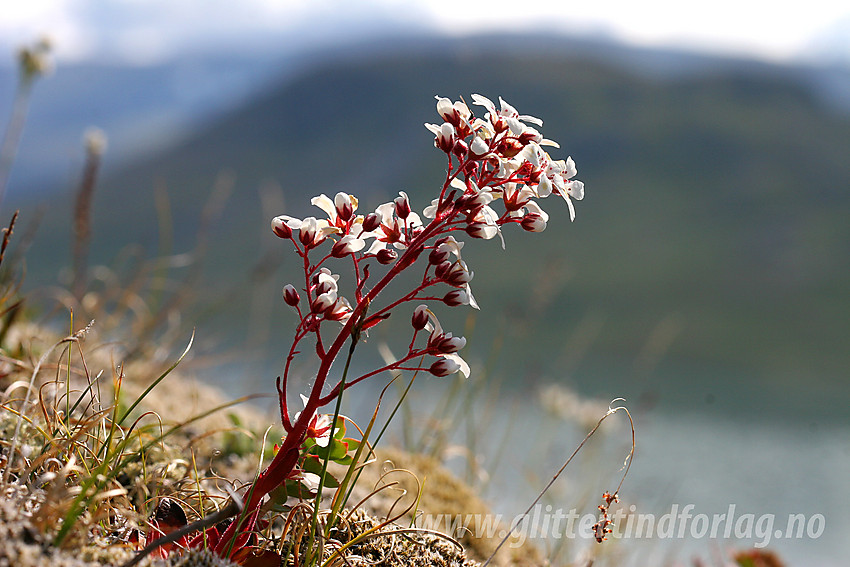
column 497, row 158
column 501, row 157
column 497, row 171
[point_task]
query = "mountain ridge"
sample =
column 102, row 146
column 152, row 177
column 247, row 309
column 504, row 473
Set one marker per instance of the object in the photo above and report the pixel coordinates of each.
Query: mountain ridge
column 715, row 200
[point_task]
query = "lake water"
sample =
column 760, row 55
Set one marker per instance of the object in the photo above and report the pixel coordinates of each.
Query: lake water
column 766, row 471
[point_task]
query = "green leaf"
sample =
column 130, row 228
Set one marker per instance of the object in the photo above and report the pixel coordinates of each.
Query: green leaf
column 314, row 465
column 334, row 451
column 339, row 430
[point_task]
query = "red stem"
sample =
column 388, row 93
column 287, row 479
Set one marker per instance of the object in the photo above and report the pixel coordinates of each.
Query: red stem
column 287, row 456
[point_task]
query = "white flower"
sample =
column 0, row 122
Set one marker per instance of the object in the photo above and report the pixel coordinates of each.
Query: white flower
column 340, row 311
column 280, row 228
column 450, row 364
column 323, row 302
column 312, row 231
column 431, row 210
column 390, row 230
column 445, row 343
column 479, row 147
column 508, row 113
column 484, row 223
column 534, row 209
column 555, row 178
column 340, row 210
column 451, row 245
column 456, row 297
column 452, row 112
column 348, row 244
column 515, row 197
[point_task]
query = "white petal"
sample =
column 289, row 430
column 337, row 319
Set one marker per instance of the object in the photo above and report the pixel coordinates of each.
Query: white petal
column 311, row 480
column 464, row 367
column 472, row 302
column 329, row 279
column 292, row 222
column 446, row 131
column 478, row 147
column 515, row 125
column 431, row 210
column 457, row 184
column 433, row 323
column 342, row 199
column 576, row 190
column 376, row 247
column 433, row 128
column 352, row 244
column 533, row 119
column 487, row 215
column 452, row 246
column 571, row 207
column 530, row 154
column 535, row 208
column 507, row 109
column 413, row 219
column 324, row 203
column 444, row 106
column 483, row 101
column 570, row 168
column 385, row 211
column 487, row 231
column 525, row 193
column 462, row 109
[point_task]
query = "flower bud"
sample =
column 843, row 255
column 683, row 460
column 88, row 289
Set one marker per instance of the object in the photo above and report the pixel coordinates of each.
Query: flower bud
column 420, row 317
column 445, row 109
column 442, row 270
column 387, row 256
column 445, row 140
column 324, row 282
column 533, row 222
column 340, row 249
column 438, row 255
column 343, row 206
column 402, row 206
column 371, row 222
column 449, row 344
column 346, row 245
column 444, row 367
column 445, row 343
column 290, row 295
column 479, row 148
column 280, row 228
column 456, row 297
column 458, row 275
column 321, row 287
column 339, row 311
column 309, row 236
column 481, row 230
column 323, row 302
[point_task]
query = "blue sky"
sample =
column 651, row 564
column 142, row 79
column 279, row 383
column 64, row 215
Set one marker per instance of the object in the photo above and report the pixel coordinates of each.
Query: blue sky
column 144, row 31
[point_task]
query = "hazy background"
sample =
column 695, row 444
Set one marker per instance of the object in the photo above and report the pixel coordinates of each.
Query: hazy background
column 705, row 278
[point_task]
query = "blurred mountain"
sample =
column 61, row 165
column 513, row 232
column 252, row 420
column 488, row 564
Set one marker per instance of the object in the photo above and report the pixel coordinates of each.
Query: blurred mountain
column 142, row 108
column 707, row 264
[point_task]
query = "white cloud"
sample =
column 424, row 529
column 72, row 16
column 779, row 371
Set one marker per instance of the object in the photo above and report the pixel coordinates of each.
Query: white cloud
column 147, row 30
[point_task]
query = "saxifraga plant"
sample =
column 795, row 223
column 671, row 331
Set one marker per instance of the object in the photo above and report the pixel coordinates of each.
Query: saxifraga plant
column 499, row 157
